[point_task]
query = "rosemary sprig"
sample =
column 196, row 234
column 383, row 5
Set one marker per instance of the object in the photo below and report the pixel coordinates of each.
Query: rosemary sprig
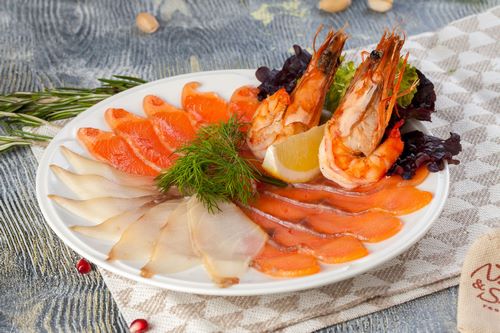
column 33, row 109
column 211, row 168
column 19, row 138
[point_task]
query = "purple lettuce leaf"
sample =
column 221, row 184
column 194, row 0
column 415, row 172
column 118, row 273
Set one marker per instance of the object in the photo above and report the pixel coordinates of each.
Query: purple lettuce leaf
column 422, row 149
column 287, row 77
column 423, row 102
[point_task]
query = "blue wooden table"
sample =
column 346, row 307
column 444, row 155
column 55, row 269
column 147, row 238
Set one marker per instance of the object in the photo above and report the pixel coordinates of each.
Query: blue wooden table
column 46, row 43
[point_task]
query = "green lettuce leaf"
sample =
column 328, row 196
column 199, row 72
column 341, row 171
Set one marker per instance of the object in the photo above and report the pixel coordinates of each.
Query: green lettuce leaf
column 343, row 78
column 409, row 78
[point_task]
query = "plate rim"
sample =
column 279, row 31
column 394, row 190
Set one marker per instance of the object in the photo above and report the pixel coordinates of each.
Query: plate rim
column 190, row 287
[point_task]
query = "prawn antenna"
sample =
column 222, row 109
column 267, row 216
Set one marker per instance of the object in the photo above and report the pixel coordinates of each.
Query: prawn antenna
column 316, row 35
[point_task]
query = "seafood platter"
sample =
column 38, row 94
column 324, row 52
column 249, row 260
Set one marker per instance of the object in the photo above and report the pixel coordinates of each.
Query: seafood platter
column 244, row 182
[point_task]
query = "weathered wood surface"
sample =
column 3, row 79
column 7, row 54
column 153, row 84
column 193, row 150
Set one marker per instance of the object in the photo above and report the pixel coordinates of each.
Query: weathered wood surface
column 70, row 43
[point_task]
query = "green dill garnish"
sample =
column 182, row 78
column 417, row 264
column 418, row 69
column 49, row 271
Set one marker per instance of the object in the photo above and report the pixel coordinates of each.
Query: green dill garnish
column 211, row 168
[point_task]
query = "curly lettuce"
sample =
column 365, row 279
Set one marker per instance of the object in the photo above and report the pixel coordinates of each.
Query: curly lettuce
column 410, row 76
column 345, row 73
column 422, row 149
column 343, row 77
column 423, row 100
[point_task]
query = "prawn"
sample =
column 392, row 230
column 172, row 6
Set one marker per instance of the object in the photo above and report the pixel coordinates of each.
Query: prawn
column 282, row 115
column 351, row 153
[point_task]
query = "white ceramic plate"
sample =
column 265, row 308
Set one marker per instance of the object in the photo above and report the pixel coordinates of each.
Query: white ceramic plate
column 196, row 280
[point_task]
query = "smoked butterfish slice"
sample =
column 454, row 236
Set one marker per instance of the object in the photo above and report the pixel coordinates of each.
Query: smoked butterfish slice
column 93, row 186
column 112, row 228
column 100, row 209
column 227, row 240
column 138, row 240
column 173, row 251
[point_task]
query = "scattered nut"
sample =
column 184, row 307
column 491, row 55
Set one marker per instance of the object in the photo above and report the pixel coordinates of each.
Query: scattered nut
column 380, row 6
column 334, row 6
column 146, row 23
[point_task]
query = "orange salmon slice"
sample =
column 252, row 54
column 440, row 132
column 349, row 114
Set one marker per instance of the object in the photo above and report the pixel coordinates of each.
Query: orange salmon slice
column 369, row 227
column 386, row 182
column 244, row 102
column 393, row 200
column 114, row 150
column 332, row 250
column 284, row 264
column 205, row 107
column 140, row 135
column 172, row 125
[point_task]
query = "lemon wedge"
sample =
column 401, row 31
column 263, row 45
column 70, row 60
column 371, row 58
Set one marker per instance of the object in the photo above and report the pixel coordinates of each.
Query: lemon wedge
column 295, row 160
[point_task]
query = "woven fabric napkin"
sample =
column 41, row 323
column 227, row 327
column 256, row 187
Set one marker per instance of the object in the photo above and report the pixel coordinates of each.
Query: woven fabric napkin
column 463, row 61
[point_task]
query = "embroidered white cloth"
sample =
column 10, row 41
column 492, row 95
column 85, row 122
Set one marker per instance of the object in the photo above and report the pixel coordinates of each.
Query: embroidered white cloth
column 479, row 296
column 463, row 62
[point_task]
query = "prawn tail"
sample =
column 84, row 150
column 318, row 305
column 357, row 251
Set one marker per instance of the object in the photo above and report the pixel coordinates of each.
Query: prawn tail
column 395, row 130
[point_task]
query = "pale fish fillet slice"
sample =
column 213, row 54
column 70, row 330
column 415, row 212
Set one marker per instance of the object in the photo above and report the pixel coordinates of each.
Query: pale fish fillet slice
column 87, row 166
column 173, row 251
column 112, row 228
column 138, row 240
column 226, row 241
column 100, row 209
column 93, row 186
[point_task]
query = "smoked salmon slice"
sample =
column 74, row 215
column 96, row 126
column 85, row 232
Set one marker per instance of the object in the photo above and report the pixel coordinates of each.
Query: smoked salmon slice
column 332, row 250
column 205, row 107
column 140, row 135
column 244, row 102
column 386, row 182
column 172, row 125
column 114, row 150
column 284, row 264
column 369, row 227
column 394, row 200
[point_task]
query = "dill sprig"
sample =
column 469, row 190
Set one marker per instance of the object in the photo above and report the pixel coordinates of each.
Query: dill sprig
column 33, row 109
column 211, row 168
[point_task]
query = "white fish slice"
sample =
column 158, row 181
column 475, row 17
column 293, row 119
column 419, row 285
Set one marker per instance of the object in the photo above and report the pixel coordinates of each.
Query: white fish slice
column 86, row 166
column 226, row 241
column 100, row 209
column 112, row 228
column 173, row 251
column 138, row 240
column 93, row 186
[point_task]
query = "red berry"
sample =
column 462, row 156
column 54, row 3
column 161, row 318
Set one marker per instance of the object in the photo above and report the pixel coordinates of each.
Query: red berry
column 139, row 326
column 83, row 266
